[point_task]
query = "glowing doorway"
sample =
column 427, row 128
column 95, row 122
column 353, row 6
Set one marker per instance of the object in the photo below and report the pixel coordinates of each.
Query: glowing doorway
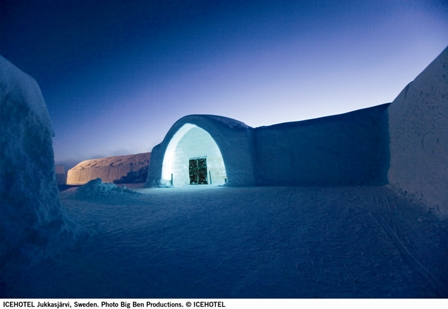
column 193, row 144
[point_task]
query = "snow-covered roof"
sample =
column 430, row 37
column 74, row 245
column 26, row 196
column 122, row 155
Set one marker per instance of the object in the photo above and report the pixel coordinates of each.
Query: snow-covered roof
column 217, row 120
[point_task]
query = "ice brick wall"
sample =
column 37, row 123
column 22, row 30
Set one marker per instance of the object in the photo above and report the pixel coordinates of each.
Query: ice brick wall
column 108, row 169
column 347, row 149
column 197, row 143
column 418, row 126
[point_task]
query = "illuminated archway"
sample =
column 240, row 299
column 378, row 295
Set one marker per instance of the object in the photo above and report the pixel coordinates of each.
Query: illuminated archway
column 224, row 145
column 191, row 143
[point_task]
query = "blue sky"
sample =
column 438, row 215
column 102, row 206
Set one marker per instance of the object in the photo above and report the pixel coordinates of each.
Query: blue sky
column 117, row 74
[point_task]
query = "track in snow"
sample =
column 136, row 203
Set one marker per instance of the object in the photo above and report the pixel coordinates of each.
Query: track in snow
column 248, row 242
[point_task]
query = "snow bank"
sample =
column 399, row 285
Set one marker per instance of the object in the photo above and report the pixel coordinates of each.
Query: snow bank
column 108, row 169
column 418, row 128
column 97, row 188
column 347, row 149
column 32, row 222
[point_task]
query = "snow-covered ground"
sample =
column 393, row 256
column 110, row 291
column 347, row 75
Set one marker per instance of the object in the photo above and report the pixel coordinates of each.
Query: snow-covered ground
column 216, row 242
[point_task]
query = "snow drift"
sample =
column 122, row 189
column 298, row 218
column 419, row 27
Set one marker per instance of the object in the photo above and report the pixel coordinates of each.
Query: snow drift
column 418, row 128
column 32, row 222
column 97, row 188
column 108, row 169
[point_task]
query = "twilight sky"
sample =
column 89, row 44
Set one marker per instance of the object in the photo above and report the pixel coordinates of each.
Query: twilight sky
column 117, row 74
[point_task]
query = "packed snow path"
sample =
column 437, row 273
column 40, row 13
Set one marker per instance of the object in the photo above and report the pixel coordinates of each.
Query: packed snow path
column 248, row 242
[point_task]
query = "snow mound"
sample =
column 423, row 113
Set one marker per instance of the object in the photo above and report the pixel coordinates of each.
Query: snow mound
column 97, row 188
column 33, row 224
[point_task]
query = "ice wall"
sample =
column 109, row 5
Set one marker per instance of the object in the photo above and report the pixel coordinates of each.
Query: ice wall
column 194, row 144
column 108, row 169
column 418, row 128
column 235, row 142
column 32, row 222
column 347, row 149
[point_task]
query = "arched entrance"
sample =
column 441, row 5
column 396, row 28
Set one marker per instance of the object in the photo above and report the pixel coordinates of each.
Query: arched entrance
column 192, row 157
